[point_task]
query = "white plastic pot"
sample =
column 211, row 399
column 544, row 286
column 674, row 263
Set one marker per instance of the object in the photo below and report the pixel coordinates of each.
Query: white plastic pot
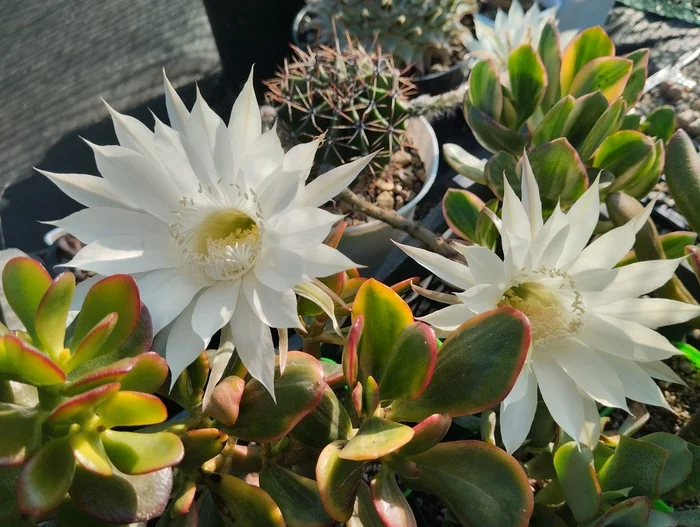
column 369, row 243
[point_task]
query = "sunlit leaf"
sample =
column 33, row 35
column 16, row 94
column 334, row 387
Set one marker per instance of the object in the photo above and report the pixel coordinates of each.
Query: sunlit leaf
column 141, row 453
column 24, row 283
column 377, row 437
column 338, row 480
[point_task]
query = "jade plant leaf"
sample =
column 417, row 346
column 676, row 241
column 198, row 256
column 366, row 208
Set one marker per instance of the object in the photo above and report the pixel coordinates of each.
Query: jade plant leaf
column 121, row 498
column 297, row 497
column 412, row 364
column 82, row 406
column 46, row 478
column 585, row 114
column 660, row 123
column 469, row 377
column 633, row 512
column 588, row 45
column 364, row 513
column 132, row 409
column 22, row 362
column 376, row 438
column 201, row 445
column 636, row 464
column 25, row 282
column 426, row 434
column 350, row 358
column 554, row 122
column 502, row 163
column 389, row 501
column 550, row 53
column 528, row 81
column 485, row 89
column 92, row 343
column 683, row 177
column 486, row 231
column 679, row 463
column 461, row 210
column 608, row 75
column 338, row 480
column 298, row 392
column 89, row 452
column 479, row 483
column 607, row 124
column 140, row 453
column 225, row 401
column 491, row 134
column 328, row 422
column 386, row 315
column 52, row 313
column 21, row 433
column 578, row 481
column 635, row 85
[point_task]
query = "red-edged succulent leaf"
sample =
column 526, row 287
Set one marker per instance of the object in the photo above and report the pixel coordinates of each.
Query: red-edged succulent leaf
column 634, row 511
column 357, row 399
column 333, row 373
column 132, row 409
column 608, row 75
column 141, row 453
column 588, row 45
column 328, row 422
column 376, row 438
column 52, row 313
column 120, row 498
column 115, row 294
column 350, row 351
column 480, row 483
column 201, row 445
column 46, row 478
column 297, row 497
column 91, row 344
column 338, row 480
column 89, row 452
column 461, row 210
column 225, row 400
column 182, row 504
column 386, row 315
column 485, row 89
column 426, row 434
column 83, row 406
column 370, row 396
column 469, row 377
column 143, row 373
column 404, row 286
column 242, row 503
column 694, row 259
column 528, row 81
column 21, row 361
column 333, row 238
column 24, row 283
column 21, row 433
column 412, row 364
column 389, row 501
column 298, row 392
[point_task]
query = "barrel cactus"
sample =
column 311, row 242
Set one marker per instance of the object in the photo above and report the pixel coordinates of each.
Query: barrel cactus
column 417, row 32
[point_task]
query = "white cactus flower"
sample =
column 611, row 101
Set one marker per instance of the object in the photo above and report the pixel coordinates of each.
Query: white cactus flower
column 215, row 223
column 593, row 338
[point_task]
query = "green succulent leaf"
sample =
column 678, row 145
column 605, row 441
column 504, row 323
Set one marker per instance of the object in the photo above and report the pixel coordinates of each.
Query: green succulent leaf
column 389, row 501
column 81, row 407
column 461, row 210
column 607, row 124
column 411, row 365
column 633, row 512
column 364, row 513
column 586, row 113
column 560, row 173
column 465, row 359
column 608, row 75
column 588, row 45
column 21, row 433
column 25, row 283
column 578, row 481
column 635, row 85
column 485, row 89
column 92, row 343
column 52, row 313
column 486, row 231
column 636, row 464
column 680, row 459
column 376, row 438
column 528, row 81
column 141, row 453
column 46, row 478
column 386, row 315
column 502, row 163
column 201, row 445
column 464, row 163
column 132, row 409
column 350, row 358
column 491, row 134
column 225, row 401
column 479, row 483
column 683, row 177
column 297, row 497
column 120, row 498
column 550, row 53
column 690, row 486
column 328, row 422
column 660, row 123
column 22, row 362
column 89, row 452
column 555, row 121
column 426, row 434
column 625, row 154
column 338, row 481
column 298, row 392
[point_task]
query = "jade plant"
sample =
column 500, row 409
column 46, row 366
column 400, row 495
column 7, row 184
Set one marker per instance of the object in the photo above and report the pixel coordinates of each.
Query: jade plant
column 569, row 109
column 70, row 398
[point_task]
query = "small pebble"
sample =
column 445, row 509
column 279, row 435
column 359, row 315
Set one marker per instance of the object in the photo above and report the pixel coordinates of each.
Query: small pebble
column 420, row 174
column 672, row 91
column 385, row 200
column 694, row 128
column 401, row 158
column 383, row 184
column 696, row 105
column 686, row 117
column 399, row 202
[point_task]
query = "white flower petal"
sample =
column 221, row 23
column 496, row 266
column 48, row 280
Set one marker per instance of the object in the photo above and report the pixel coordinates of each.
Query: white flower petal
column 650, row 312
column 448, row 318
column 90, row 191
column 198, row 143
column 547, row 239
column 638, row 385
column 520, row 387
column 132, row 133
column 303, row 227
column 517, row 255
column 279, row 268
column 245, row 123
column 222, row 356
column 516, row 418
column 590, row 373
column 177, row 112
column 277, row 309
column 277, row 192
column 318, row 296
column 624, row 339
column 300, row 158
column 659, row 370
column 530, row 192
column 214, row 307
column 485, row 266
column 454, row 273
column 590, row 433
column 205, row 120
column 262, row 157
column 322, row 260
column 183, row 345
column 515, row 220
column 583, row 217
column 253, row 341
column 482, row 297
column 329, row 184
column 173, row 158
column 166, row 292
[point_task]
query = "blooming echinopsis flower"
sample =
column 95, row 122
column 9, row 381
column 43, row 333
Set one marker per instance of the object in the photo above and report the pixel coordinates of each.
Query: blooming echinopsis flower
column 215, row 223
column 593, row 339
